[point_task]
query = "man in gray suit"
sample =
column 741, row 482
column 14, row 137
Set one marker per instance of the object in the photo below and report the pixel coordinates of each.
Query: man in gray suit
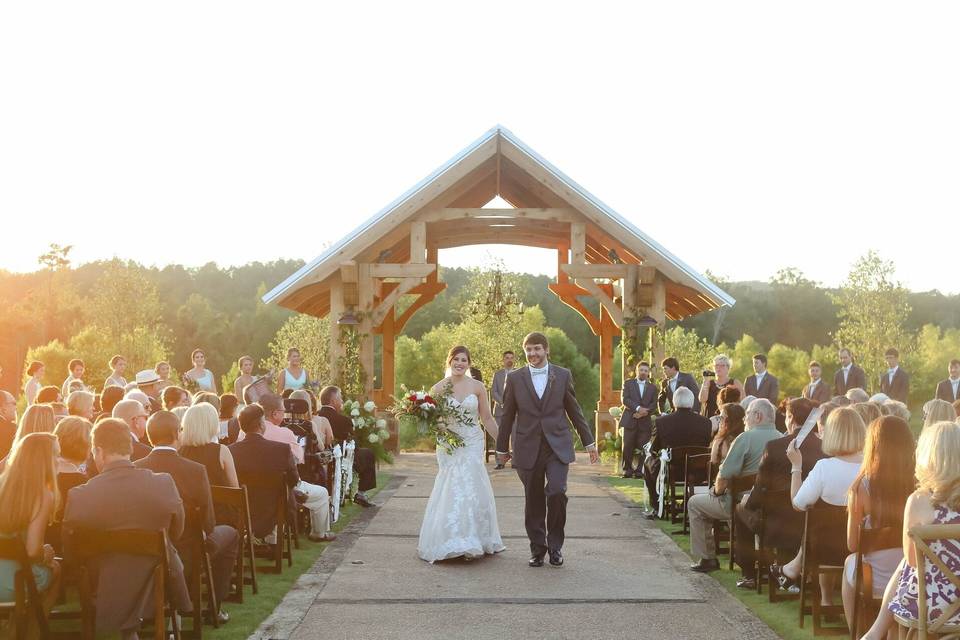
column 498, row 385
column 639, row 400
column 122, row 496
column 762, row 384
column 540, row 400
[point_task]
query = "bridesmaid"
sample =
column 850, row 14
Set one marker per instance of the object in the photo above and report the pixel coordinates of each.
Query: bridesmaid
column 245, row 363
column 294, row 376
column 199, row 374
column 33, row 385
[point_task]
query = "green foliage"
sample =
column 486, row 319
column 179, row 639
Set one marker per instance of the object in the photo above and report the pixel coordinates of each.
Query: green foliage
column 55, row 356
column 742, row 356
column 873, row 310
column 308, row 334
column 928, row 363
column 693, row 352
column 123, row 301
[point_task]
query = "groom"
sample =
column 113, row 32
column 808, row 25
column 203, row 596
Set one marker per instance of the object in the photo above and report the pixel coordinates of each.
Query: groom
column 540, row 400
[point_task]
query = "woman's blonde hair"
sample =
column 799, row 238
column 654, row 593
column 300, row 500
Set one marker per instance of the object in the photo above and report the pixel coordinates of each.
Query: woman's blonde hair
column 79, row 402
column 938, row 463
column 844, row 433
column 31, row 470
column 38, row 418
column 302, row 394
column 73, row 434
column 201, row 425
column 868, row 411
column 179, row 412
column 722, row 358
column 938, row 410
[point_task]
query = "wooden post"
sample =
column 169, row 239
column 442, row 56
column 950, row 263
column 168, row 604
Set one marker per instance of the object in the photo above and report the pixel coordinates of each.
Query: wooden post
column 563, row 257
column 608, row 396
column 658, row 311
column 578, row 243
column 336, row 310
column 388, row 362
column 365, row 291
column 432, row 255
column 418, row 241
column 630, row 286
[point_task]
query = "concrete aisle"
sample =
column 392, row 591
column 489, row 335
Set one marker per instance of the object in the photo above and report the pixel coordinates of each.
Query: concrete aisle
column 622, row 577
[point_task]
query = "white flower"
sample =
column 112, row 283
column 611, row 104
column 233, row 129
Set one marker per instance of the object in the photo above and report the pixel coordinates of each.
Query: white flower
column 355, row 412
column 373, row 438
column 421, row 395
column 384, row 435
column 616, row 412
column 608, row 435
column 428, row 406
column 381, row 423
column 357, row 422
column 370, row 407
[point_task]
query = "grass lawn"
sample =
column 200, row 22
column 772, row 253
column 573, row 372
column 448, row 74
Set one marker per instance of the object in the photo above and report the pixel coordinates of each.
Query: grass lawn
column 781, row 617
column 246, row 617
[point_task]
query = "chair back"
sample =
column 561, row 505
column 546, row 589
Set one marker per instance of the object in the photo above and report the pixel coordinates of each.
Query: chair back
column 235, row 499
column 269, row 486
column 825, row 534
column 86, row 544
column 928, row 558
column 678, row 460
column 13, row 548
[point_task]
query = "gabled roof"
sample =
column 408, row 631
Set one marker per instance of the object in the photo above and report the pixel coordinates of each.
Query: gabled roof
column 692, row 292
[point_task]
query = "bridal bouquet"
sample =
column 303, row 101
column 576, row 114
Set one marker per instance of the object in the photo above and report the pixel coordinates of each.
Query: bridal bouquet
column 368, row 430
column 432, row 414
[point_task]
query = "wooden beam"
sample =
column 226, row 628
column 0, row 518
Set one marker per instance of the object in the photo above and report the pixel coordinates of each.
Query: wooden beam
column 432, row 255
column 427, row 293
column 578, row 242
column 569, row 295
column 418, row 242
column 611, row 271
column 605, row 300
column 459, row 213
column 336, row 310
column 386, row 305
column 658, row 311
column 410, row 270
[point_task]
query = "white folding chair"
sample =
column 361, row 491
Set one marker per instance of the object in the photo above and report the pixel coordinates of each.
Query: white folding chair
column 346, row 477
column 337, row 484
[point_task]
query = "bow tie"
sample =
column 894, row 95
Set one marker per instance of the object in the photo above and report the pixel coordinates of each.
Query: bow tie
column 891, row 371
column 538, row 372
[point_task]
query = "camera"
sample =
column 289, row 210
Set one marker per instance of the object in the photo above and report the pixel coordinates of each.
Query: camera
column 312, row 470
column 709, row 374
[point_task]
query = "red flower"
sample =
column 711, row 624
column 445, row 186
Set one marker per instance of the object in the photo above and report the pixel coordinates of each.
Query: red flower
column 428, row 399
column 413, row 397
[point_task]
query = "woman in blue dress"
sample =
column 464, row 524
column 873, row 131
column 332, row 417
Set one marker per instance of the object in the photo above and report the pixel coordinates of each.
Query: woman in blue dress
column 28, row 501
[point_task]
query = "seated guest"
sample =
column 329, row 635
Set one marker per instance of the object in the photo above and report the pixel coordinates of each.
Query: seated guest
column 179, row 411
column 254, row 454
column 124, row 591
column 49, row 394
column 142, row 398
column 956, row 407
column 682, row 428
column 816, row 391
column 868, row 411
column 876, row 500
column 38, row 418
column 745, row 403
column 28, row 493
column 148, row 382
column 8, row 422
column 59, row 411
column 784, row 525
column 229, row 425
column 208, row 397
column 879, row 398
column 198, row 442
column 898, row 409
column 80, row 403
column 118, row 365
column 732, row 424
column 938, row 411
column 134, row 415
column 726, row 396
column 673, row 378
column 109, row 398
column 364, row 460
column 163, row 429
column 321, row 426
column 174, row 396
column 841, row 401
column 856, row 395
column 949, row 389
column 829, row 481
column 73, row 437
column 743, row 459
column 936, row 501
column 318, row 499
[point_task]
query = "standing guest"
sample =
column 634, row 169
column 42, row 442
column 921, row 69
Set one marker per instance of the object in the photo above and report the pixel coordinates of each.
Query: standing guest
column 712, row 385
column 500, row 383
column 245, row 364
column 48, row 395
column 229, row 425
column 28, row 493
column 134, row 415
column 8, row 422
column 849, row 375
column 198, row 442
column 75, row 374
column 937, row 411
column 895, row 382
column 672, row 379
column 762, row 384
column 318, row 499
column 80, row 403
column 639, row 399
column 163, row 372
column 118, row 365
column 830, row 481
column 682, row 428
column 732, row 424
column 321, row 426
column 150, row 501
column 199, row 374
column 743, row 459
column 817, row 390
column 294, row 376
column 149, row 383
column 163, row 429
column 35, row 371
column 256, row 455
column 876, row 500
column 174, row 396
column 109, row 398
column 364, row 460
column 949, row 389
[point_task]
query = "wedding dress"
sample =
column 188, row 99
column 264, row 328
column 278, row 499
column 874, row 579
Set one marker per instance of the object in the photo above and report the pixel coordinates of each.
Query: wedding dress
column 461, row 515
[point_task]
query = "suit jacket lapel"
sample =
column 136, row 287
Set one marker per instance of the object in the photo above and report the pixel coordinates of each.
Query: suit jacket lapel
column 549, row 387
column 528, row 379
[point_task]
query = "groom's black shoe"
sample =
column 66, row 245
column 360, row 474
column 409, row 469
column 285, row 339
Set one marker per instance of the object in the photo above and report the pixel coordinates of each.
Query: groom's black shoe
column 536, row 560
column 556, row 558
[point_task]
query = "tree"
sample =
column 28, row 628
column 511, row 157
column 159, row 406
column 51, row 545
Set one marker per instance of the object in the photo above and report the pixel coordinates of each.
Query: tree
column 308, row 334
column 873, row 310
column 123, row 301
column 693, row 352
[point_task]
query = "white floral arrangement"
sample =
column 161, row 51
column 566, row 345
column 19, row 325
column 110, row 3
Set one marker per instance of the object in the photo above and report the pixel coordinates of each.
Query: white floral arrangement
column 367, row 427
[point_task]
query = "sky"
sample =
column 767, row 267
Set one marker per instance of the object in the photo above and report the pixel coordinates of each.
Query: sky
column 744, row 136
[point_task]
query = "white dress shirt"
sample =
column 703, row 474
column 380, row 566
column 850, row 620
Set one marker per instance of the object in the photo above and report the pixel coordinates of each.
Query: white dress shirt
column 846, row 372
column 759, row 377
column 640, row 384
column 540, row 377
column 955, row 384
column 891, row 373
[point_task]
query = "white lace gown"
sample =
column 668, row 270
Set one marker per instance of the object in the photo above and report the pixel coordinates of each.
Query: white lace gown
column 461, row 515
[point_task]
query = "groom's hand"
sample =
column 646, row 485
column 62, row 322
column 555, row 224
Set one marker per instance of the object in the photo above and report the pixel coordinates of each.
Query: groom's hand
column 503, row 458
column 594, row 455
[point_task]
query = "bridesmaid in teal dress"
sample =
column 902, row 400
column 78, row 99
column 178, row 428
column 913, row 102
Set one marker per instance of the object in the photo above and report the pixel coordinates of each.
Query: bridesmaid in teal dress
column 28, row 500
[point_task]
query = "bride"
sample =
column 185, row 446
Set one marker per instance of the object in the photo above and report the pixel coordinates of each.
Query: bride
column 461, row 516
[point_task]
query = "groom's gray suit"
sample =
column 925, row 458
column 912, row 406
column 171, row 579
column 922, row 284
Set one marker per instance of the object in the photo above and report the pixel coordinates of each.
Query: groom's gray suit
column 542, row 449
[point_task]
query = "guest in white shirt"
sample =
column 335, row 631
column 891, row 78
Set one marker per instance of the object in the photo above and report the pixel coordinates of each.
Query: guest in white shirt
column 75, row 370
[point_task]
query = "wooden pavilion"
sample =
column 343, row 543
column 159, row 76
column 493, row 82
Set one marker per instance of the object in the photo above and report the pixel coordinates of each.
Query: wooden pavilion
column 600, row 255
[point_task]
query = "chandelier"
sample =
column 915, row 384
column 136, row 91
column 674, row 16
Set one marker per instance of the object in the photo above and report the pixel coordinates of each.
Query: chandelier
column 500, row 302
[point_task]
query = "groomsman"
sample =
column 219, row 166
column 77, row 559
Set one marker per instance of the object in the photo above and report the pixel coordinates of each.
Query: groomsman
column 949, row 389
column 762, row 384
column 639, row 400
column 817, row 391
column 498, row 385
column 674, row 378
column 895, row 382
column 849, row 375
